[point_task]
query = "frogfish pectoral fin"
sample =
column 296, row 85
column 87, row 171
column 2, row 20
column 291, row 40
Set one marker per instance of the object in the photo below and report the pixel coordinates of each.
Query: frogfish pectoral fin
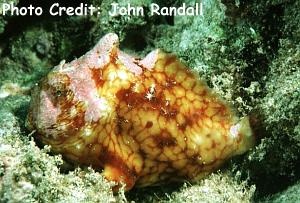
column 120, row 175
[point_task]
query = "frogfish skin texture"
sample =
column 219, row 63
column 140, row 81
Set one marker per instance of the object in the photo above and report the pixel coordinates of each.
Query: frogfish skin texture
column 143, row 121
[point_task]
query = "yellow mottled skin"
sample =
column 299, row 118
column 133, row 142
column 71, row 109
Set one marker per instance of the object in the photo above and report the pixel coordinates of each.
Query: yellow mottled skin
column 145, row 122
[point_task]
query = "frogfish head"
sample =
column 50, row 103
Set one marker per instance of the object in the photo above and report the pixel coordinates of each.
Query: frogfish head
column 51, row 107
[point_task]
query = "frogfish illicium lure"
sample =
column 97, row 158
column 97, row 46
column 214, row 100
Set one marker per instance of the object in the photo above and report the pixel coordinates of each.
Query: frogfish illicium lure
column 143, row 121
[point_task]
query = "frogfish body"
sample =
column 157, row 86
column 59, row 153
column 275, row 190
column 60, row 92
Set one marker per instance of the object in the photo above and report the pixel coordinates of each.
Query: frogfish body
column 143, row 121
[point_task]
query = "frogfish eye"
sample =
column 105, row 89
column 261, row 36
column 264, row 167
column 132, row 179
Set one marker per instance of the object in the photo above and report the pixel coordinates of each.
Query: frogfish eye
column 60, row 93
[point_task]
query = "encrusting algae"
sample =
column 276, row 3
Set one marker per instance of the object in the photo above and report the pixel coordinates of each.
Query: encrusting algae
column 145, row 122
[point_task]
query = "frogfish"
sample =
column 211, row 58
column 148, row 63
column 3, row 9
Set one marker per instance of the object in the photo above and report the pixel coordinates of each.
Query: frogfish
column 143, row 122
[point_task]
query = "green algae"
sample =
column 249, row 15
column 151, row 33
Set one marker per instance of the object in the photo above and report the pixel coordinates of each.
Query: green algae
column 291, row 194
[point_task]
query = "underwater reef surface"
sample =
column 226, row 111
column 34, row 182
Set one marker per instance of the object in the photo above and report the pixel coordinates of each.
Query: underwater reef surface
column 247, row 51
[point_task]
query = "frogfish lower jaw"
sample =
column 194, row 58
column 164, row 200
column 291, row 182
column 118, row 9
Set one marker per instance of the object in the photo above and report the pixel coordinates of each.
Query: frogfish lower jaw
column 144, row 121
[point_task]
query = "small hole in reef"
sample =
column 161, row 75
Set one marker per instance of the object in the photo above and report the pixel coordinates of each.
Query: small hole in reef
column 170, row 20
column 135, row 41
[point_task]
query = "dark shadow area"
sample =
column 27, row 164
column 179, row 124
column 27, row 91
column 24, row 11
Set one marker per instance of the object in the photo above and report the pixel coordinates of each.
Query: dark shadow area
column 157, row 193
column 65, row 25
